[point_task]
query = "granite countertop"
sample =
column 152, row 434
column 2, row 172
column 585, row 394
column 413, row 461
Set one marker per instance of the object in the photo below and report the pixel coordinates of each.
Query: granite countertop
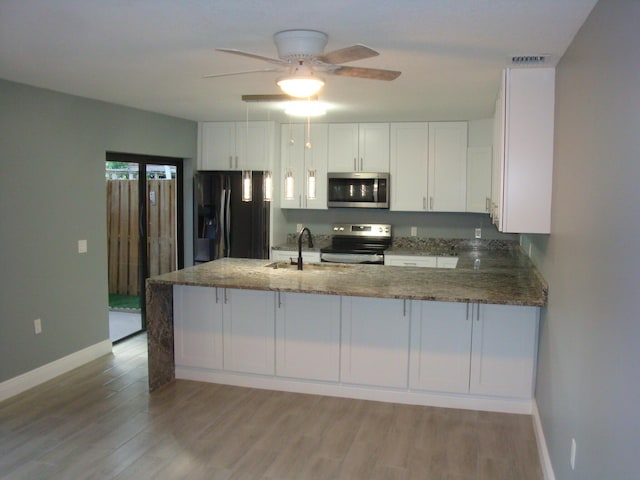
column 500, row 276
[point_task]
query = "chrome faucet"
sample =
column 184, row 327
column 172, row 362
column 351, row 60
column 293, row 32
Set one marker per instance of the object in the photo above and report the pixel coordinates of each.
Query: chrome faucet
column 300, row 245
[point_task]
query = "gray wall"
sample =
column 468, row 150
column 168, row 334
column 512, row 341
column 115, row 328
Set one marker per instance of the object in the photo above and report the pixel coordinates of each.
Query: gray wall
column 52, row 193
column 587, row 384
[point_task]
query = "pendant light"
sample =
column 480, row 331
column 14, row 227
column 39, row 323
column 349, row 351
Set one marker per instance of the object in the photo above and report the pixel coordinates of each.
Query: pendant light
column 311, row 172
column 289, row 186
column 267, row 183
column 247, row 187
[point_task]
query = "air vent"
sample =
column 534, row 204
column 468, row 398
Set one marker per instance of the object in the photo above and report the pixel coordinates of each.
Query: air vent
column 528, row 59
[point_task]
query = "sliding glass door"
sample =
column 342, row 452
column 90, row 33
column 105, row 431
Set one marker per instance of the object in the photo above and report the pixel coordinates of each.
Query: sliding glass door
column 144, row 233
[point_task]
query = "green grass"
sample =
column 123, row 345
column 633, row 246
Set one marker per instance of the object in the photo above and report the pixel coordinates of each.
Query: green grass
column 124, row 301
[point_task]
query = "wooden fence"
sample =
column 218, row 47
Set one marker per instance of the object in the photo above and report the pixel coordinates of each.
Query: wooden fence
column 123, row 232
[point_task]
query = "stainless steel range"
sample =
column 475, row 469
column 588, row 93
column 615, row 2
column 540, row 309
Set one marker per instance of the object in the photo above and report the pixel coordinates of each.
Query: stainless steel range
column 357, row 243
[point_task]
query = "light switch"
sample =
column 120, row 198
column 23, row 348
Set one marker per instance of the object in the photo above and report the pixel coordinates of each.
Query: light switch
column 82, row 246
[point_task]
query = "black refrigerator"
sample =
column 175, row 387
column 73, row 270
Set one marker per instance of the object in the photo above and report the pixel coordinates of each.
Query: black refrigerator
column 225, row 226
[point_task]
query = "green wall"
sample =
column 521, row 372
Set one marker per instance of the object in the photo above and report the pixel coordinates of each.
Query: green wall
column 52, row 193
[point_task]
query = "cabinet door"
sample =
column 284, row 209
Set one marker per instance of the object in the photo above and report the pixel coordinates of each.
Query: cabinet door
column 217, row 142
column 447, row 166
column 375, row 342
column 197, row 320
column 343, row 147
column 253, row 145
column 440, row 346
column 373, row 147
column 308, row 336
column 249, row 319
column 292, row 162
column 479, row 161
column 528, row 150
column 410, row 261
column 409, row 151
column 503, row 352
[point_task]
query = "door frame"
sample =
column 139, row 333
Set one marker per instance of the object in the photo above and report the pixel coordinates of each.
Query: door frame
column 143, row 161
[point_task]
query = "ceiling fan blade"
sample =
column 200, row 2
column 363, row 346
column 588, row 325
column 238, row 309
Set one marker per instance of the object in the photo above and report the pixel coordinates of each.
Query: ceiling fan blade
column 371, row 73
column 252, row 55
column 348, row 54
column 262, row 70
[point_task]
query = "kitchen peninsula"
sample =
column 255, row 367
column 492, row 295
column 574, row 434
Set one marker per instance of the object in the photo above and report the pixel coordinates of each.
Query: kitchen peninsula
column 407, row 334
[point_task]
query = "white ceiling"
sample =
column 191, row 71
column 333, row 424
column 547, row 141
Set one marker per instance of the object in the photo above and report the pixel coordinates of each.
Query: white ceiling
column 152, row 54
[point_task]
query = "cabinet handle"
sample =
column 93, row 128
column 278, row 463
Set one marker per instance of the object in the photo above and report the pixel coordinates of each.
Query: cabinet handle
column 225, row 296
column 355, row 164
column 300, row 201
column 230, row 161
column 404, row 308
column 467, row 317
column 408, row 264
column 279, row 301
column 430, row 203
column 217, row 300
column 361, row 164
column 236, row 161
column 424, row 203
column 477, row 312
column 487, row 204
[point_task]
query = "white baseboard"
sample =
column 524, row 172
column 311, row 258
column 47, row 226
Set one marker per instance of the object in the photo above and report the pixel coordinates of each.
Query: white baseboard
column 411, row 397
column 35, row 377
column 545, row 459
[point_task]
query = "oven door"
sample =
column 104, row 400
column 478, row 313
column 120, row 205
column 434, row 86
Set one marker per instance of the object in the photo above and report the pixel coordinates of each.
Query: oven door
column 353, row 258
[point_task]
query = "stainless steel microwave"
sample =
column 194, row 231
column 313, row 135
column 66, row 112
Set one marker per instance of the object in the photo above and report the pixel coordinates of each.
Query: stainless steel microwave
column 358, row 190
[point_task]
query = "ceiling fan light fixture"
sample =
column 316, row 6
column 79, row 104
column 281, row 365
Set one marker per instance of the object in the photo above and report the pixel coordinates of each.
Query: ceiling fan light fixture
column 300, row 86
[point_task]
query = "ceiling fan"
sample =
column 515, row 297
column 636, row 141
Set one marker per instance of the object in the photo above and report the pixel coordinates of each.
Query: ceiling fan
column 301, row 55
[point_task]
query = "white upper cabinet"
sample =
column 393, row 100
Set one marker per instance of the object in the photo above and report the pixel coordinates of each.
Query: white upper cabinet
column 447, row 166
column 298, row 156
column 479, row 161
column 521, row 197
column 428, row 163
column 409, row 155
column 360, row 147
column 235, row 145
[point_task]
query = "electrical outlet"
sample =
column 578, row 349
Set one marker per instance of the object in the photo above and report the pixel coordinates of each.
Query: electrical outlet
column 414, row 231
column 299, row 226
column 82, row 246
column 37, row 326
column 572, row 459
column 478, row 233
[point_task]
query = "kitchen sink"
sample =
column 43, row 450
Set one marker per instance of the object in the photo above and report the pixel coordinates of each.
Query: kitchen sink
column 309, row 266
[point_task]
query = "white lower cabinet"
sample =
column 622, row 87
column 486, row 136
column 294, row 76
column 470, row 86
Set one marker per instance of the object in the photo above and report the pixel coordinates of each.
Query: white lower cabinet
column 349, row 345
column 471, row 348
column 248, row 322
column 197, row 319
column 375, row 342
column 503, row 350
column 308, row 336
column 440, row 346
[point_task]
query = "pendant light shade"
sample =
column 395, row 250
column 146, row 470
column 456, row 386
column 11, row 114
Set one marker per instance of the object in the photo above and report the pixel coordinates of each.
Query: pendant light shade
column 247, row 193
column 267, row 186
column 311, row 184
column 288, row 185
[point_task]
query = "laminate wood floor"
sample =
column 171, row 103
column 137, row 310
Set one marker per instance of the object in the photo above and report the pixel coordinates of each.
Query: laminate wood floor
column 99, row 422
